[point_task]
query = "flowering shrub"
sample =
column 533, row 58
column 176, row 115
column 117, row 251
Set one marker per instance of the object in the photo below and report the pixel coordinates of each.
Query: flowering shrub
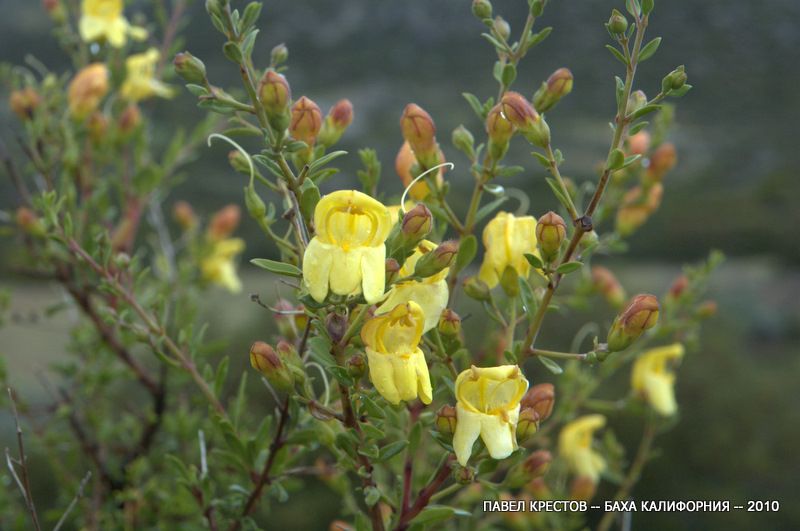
column 376, row 391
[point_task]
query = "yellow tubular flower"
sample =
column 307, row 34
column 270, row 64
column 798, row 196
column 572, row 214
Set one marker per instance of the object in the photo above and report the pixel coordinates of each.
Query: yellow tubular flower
column 219, row 267
column 430, row 293
column 103, row 20
column 348, row 254
column 140, row 82
column 652, row 380
column 507, row 238
column 488, row 405
column 397, row 365
column 575, row 446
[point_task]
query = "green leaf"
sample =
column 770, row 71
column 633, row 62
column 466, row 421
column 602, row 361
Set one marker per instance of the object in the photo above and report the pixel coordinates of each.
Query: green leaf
column 647, row 6
column 323, row 160
column 232, row 52
column 437, row 513
column 554, row 186
column 647, row 109
column 509, row 74
column 372, row 407
column 467, row 249
column 280, row 268
column 371, row 496
column 250, row 16
column 632, row 6
column 490, row 207
column 526, row 294
column 616, row 53
column 615, row 160
column 637, row 127
column 196, row 90
column 649, row 49
column 534, row 260
column 544, row 161
column 320, row 349
column 496, row 43
column 551, row 365
column 222, row 373
column 681, row 91
column 620, row 90
column 630, row 160
column 538, row 38
column 509, row 171
column 309, row 199
column 568, row 267
column 391, row 450
column 475, row 104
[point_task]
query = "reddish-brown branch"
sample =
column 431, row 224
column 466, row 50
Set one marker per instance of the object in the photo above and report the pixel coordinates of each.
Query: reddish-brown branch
column 424, row 496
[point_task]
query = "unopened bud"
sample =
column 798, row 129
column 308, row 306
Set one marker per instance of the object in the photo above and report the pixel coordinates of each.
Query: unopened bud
column 417, row 224
column 538, row 134
column 87, row 89
column 336, row 122
column 184, row 216
column 541, row 398
column 463, row 140
column 284, row 318
column 446, row 420
column 678, row 287
column 539, row 489
column 477, row 289
column 224, row 222
column 617, row 24
column 336, row 325
column 637, row 100
column 606, row 283
column 527, row 425
column 639, row 315
column 501, row 27
column 129, row 120
column 392, row 270
column 558, row 85
column 289, row 356
column 190, row 68
column 449, row 323
column 639, row 143
column 463, row 475
column 589, row 240
column 254, row 204
column 419, row 131
column 636, row 208
column 583, row 488
column 518, row 110
column 674, row 80
column 356, row 366
column 500, row 130
column 437, row 260
column 97, row 126
column 306, row 121
column 662, row 161
column 238, row 162
column 24, row 102
column 534, row 466
column 29, row 222
column 707, row 309
column 482, row 9
column 279, row 54
column 550, row 234
column 403, row 165
column 265, row 360
column 274, row 92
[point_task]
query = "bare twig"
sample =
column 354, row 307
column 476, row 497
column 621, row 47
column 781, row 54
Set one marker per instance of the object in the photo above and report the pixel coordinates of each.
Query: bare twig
column 74, row 501
column 23, row 482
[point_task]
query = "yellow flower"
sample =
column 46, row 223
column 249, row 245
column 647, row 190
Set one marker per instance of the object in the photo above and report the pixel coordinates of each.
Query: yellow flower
column 652, row 379
column 507, row 238
column 348, row 254
column 103, row 19
column 87, row 89
column 488, row 405
column 140, row 82
column 219, row 266
column 575, row 446
column 430, row 293
column 397, row 365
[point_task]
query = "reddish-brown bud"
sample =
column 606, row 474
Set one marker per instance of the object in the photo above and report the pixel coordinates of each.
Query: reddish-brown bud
column 446, row 420
column 420, row 132
column 87, row 89
column 336, row 122
column 662, row 161
column 639, row 143
column 606, row 283
column 224, row 222
column 403, row 165
column 392, row 269
column 707, row 309
column 637, row 208
column 528, row 424
column 336, row 325
column 417, row 224
column 679, row 286
column 437, row 260
column 184, row 215
column 558, row 85
column 541, row 398
column 306, row 121
column 265, row 360
column 449, row 323
column 274, row 92
column 129, row 120
column 498, row 126
column 537, row 463
column 583, row 488
column 29, row 222
column 518, row 110
column 24, row 102
column 639, row 315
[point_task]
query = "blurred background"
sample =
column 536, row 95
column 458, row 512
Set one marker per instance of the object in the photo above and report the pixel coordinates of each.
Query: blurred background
column 735, row 189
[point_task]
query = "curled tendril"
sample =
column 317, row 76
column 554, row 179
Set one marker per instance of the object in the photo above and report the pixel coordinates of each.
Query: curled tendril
column 324, row 380
column 420, row 176
column 239, row 148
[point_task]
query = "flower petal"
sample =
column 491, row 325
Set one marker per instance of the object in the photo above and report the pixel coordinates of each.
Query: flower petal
column 373, row 273
column 381, row 373
column 468, row 428
column 317, row 263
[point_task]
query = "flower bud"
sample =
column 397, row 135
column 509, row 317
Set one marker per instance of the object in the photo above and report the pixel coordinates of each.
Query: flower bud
column 617, row 24
column 550, row 234
column 238, row 162
column 463, row 140
column 437, row 260
column 607, row 285
column 306, row 121
column 534, row 466
column 87, row 89
column 463, row 475
column 279, row 54
column 356, row 366
column 707, row 309
column 482, row 9
column 420, row 132
column 405, row 162
column 184, row 216
column 336, row 122
column 636, row 208
column 590, row 240
column 255, row 205
column 129, row 120
column 500, row 130
column 265, row 360
column 274, row 93
column 501, row 27
column 558, row 85
column 336, row 325
column 190, row 68
column 449, row 323
column 639, row 315
column 637, row 100
column 538, row 134
column 392, row 269
column 477, row 289
column 284, row 318
column 662, row 161
column 446, row 420
column 289, row 356
column 224, row 222
column 539, row 489
column 541, row 398
column 583, row 488
column 678, row 287
column 24, row 102
column 674, row 80
column 416, row 224
column 97, row 126
column 29, row 222
column 639, row 143
column 518, row 110
column 527, row 425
